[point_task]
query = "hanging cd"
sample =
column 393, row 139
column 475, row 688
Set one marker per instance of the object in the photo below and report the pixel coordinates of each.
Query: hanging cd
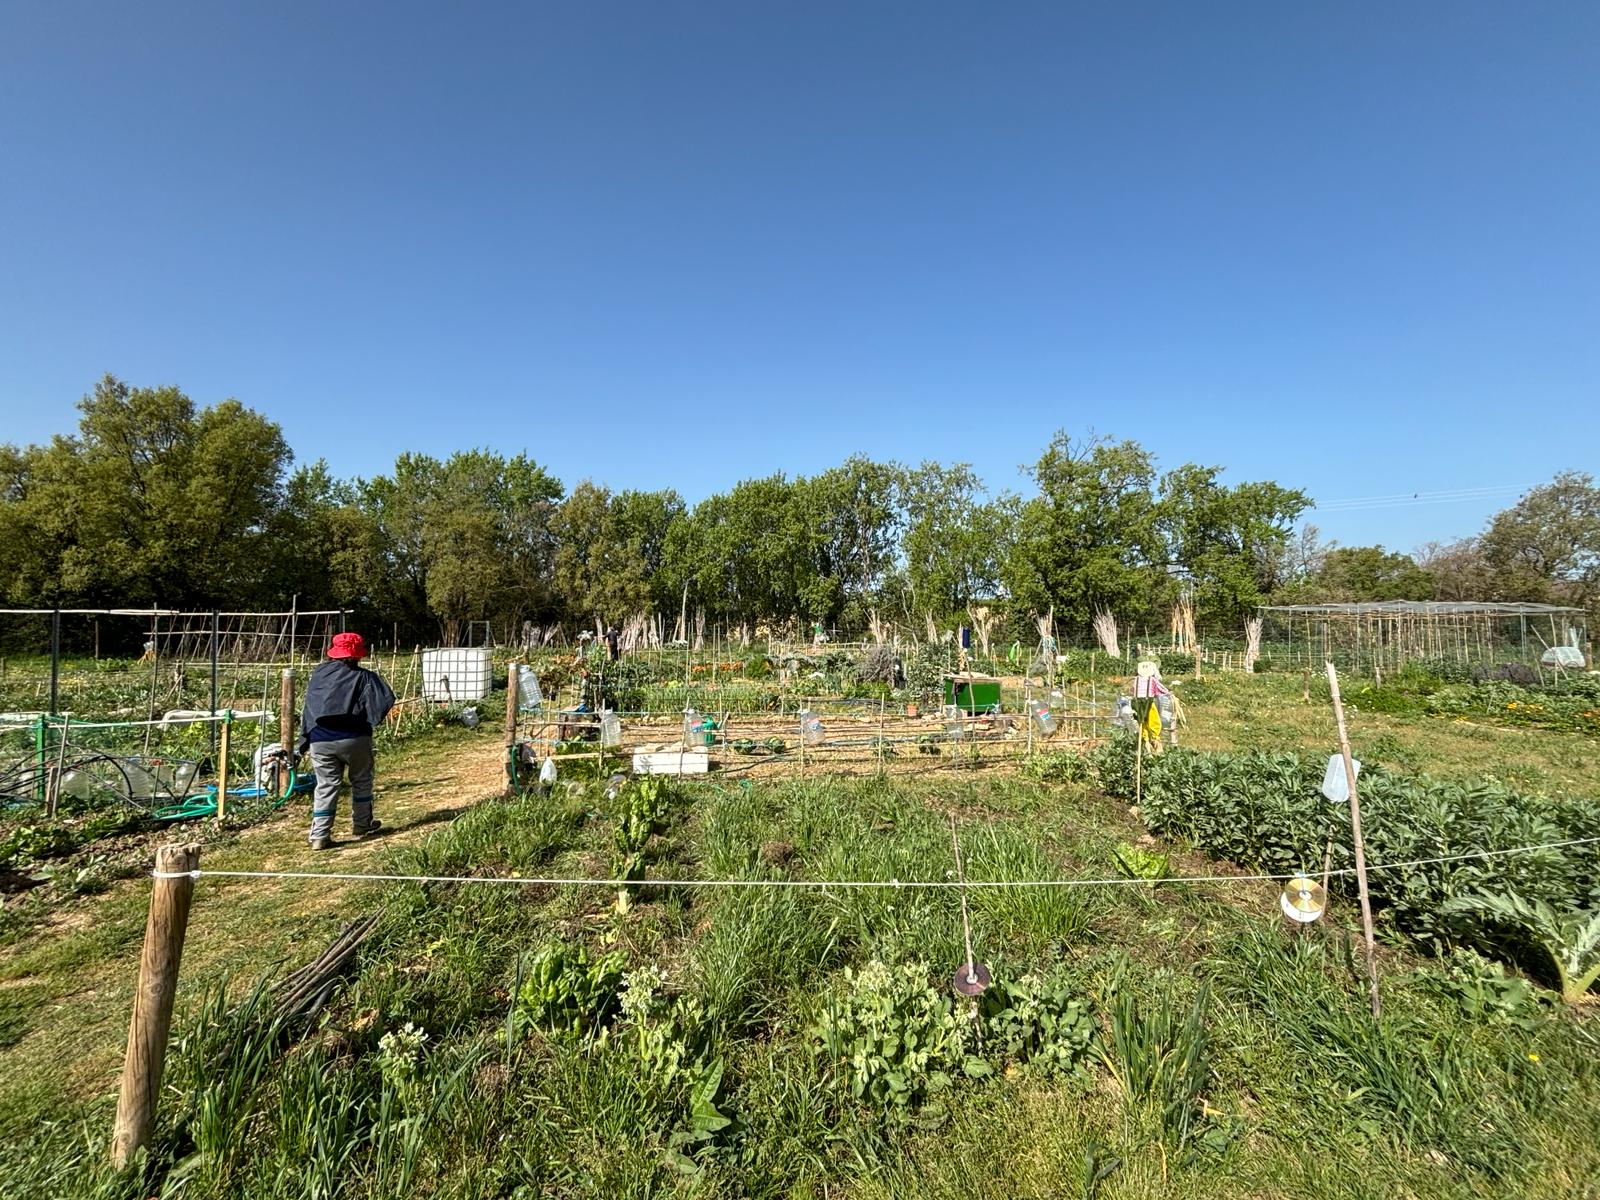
column 1303, row 900
column 971, row 979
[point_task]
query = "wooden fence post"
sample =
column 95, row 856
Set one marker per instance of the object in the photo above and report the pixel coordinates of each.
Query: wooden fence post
column 152, row 1000
column 1355, row 836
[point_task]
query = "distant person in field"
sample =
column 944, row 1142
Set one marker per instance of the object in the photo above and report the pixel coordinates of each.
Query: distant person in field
column 613, row 640
column 345, row 702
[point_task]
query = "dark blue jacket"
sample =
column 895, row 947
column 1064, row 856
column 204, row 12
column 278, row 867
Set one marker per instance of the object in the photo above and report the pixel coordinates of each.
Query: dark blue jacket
column 343, row 700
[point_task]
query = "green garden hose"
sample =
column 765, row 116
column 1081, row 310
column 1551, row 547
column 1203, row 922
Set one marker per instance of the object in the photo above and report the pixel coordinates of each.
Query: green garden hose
column 204, row 804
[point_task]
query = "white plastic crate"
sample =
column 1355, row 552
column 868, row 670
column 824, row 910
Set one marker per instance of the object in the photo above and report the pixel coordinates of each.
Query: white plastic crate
column 672, row 762
column 455, row 675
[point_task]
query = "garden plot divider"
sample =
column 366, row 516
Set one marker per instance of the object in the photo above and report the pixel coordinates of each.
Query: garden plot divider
column 834, row 736
column 160, row 713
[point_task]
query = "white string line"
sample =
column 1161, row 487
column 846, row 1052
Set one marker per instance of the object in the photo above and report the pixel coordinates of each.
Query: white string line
column 842, row 884
column 171, row 721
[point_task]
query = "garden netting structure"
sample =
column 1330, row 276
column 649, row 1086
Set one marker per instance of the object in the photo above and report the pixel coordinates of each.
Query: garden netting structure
column 1372, row 637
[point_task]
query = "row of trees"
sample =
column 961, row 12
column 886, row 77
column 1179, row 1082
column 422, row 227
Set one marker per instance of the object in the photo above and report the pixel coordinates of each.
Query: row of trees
column 155, row 501
column 1545, row 549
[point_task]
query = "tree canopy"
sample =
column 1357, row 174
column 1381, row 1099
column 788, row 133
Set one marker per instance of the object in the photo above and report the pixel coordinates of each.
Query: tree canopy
column 154, row 500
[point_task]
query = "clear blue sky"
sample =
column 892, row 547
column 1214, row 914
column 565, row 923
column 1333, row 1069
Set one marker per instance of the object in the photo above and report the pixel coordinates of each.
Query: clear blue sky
column 1355, row 248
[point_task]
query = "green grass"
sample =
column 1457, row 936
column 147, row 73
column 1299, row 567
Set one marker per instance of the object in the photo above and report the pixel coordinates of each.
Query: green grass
column 1234, row 1056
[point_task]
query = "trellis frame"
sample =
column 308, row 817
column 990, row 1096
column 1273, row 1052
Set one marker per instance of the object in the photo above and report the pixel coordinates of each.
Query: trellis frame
column 1371, row 637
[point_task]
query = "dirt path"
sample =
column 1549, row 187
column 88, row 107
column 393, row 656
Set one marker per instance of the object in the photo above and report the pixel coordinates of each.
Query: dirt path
column 69, row 983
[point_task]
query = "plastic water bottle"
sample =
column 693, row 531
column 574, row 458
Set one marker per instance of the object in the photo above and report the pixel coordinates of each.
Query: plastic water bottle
column 529, row 697
column 691, row 726
column 811, row 728
column 1042, row 718
column 610, row 729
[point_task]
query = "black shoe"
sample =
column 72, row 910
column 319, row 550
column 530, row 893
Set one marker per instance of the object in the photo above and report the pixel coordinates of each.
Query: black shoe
column 323, row 843
column 371, row 827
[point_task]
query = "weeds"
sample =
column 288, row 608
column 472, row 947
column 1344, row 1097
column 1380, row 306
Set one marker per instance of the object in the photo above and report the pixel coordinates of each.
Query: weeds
column 1158, row 1051
column 768, row 1043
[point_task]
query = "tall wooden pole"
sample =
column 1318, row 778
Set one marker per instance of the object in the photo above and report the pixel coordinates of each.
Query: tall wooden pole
column 1355, row 835
column 152, row 1001
column 286, row 720
column 222, row 763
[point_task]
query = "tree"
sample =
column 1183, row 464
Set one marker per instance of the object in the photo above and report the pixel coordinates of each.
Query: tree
column 315, row 543
column 466, row 538
column 1230, row 542
column 747, row 554
column 151, row 502
column 854, row 517
column 1547, row 546
column 1090, row 539
column 1350, row 573
column 1458, row 569
column 610, row 548
column 954, row 542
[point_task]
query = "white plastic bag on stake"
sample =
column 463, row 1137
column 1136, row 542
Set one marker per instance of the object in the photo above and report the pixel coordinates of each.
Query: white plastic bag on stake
column 1335, row 785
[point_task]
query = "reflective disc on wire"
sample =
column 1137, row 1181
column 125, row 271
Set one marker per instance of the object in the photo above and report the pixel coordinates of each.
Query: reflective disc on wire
column 1303, row 899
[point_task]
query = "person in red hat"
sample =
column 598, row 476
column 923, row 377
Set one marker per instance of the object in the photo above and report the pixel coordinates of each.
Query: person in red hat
column 344, row 703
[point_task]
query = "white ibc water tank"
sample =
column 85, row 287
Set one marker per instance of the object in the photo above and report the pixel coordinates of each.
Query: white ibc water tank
column 455, row 675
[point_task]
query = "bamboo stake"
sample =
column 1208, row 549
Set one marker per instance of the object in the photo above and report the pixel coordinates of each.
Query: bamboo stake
column 1027, row 711
column 1138, row 770
column 53, row 784
column 152, row 1001
column 881, row 704
column 1355, row 834
column 222, row 763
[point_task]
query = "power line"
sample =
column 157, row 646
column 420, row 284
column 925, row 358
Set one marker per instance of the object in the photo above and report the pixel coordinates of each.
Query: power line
column 1405, row 500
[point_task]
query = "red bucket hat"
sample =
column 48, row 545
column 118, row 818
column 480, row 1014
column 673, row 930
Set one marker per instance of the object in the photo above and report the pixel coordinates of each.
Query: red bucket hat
column 348, row 645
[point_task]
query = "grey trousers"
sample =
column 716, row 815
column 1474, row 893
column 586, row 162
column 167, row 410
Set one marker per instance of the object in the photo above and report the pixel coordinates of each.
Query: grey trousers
column 331, row 760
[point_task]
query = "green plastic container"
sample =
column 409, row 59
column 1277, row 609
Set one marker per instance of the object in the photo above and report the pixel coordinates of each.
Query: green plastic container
column 972, row 695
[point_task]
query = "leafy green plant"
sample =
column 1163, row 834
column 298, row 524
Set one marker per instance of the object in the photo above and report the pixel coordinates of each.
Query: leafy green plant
column 1572, row 706
column 567, row 993
column 668, row 1036
column 1569, row 942
column 29, row 843
column 1139, row 862
column 892, row 1038
column 1482, row 990
column 926, row 664
column 1041, row 1023
column 1265, row 810
column 644, row 805
column 1061, row 766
